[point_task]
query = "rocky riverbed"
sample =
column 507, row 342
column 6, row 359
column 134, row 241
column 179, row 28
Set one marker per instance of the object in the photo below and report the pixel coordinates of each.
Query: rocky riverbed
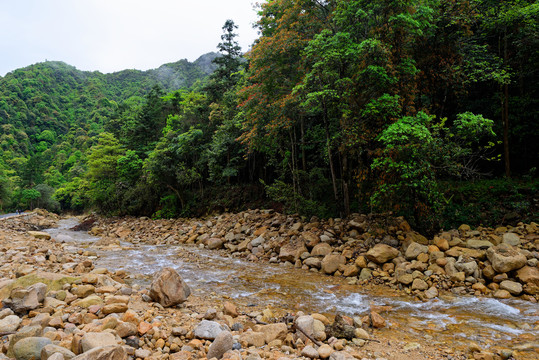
column 67, row 299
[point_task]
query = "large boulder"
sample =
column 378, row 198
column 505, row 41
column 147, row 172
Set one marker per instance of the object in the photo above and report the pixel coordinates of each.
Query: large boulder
column 222, row 343
column 22, row 300
column 332, row 263
column 515, row 288
column 530, row 277
column 414, row 249
column 292, row 251
column 49, row 350
column 208, row 330
column 39, row 235
column 112, row 352
column 511, row 239
column 168, row 288
column 277, row 331
column 505, row 258
column 10, row 323
column 529, row 274
column 321, row 249
column 382, row 253
column 30, row 347
column 93, row 340
column 310, row 239
column 53, row 281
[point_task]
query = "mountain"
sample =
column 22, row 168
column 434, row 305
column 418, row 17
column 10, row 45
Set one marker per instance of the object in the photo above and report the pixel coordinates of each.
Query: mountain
column 44, row 101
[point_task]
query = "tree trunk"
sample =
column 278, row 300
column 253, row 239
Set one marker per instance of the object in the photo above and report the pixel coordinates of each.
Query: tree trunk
column 330, row 156
column 303, row 157
column 505, row 114
column 177, row 194
column 345, row 193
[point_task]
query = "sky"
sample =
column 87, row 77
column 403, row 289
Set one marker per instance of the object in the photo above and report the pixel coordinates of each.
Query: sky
column 113, row 35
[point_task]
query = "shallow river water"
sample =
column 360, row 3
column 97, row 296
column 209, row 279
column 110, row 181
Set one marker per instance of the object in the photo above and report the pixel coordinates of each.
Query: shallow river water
column 450, row 321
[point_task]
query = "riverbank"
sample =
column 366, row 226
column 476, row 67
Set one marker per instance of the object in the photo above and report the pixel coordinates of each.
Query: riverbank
column 118, row 287
column 501, row 263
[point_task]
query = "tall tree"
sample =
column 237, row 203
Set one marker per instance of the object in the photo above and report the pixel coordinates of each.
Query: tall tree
column 226, row 75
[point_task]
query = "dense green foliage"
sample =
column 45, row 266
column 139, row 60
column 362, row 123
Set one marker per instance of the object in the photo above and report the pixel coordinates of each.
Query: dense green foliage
column 340, row 106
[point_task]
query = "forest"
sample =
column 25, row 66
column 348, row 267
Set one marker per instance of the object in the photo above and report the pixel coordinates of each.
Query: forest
column 427, row 109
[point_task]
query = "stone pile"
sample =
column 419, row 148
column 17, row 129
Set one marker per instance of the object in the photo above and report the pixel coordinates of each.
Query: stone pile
column 501, row 262
column 57, row 305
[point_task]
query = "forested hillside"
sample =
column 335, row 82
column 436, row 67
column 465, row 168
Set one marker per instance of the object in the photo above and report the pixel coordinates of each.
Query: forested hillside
column 428, row 109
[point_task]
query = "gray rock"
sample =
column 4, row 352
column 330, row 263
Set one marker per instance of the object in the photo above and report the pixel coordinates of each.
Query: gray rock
column 30, row 348
column 222, row 343
column 143, row 353
column 478, row 244
column 56, row 356
column 22, row 300
column 365, row 274
column 168, row 288
column 321, row 249
column 306, row 324
column 313, row 262
column 414, row 249
column 332, row 262
column 511, row 239
column 513, row 287
column 468, row 267
column 93, row 340
column 209, row 330
column 24, row 332
column 505, row 258
column 310, row 352
column 341, row 355
column 256, row 242
column 431, row 293
column 215, row 243
column 10, row 323
column 49, row 350
column 419, row 284
column 382, row 253
column 292, row 251
column 5, row 312
column 104, row 353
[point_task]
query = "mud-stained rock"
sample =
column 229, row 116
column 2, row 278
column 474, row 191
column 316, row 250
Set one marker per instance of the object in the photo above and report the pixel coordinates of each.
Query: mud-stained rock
column 382, row 253
column 168, row 288
column 505, row 258
column 340, row 329
column 332, row 263
column 39, row 235
column 292, row 251
column 222, row 343
column 23, row 300
column 30, row 348
column 113, row 352
column 53, row 281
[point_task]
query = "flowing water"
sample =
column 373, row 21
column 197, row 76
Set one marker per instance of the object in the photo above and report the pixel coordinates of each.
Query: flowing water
column 449, row 321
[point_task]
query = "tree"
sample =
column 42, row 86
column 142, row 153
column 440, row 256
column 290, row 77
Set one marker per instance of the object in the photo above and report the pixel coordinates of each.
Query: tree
column 228, row 64
column 5, row 187
column 418, row 152
column 103, row 174
column 29, row 196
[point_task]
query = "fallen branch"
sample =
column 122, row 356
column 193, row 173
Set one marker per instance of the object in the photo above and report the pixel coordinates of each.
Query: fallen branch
column 294, row 326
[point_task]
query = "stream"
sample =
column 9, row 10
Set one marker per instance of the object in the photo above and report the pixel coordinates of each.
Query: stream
column 450, row 321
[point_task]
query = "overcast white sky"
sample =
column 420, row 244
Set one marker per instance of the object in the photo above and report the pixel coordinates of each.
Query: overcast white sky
column 112, row 35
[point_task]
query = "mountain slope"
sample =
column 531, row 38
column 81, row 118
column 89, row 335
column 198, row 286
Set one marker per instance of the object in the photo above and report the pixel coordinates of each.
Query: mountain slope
column 54, row 97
